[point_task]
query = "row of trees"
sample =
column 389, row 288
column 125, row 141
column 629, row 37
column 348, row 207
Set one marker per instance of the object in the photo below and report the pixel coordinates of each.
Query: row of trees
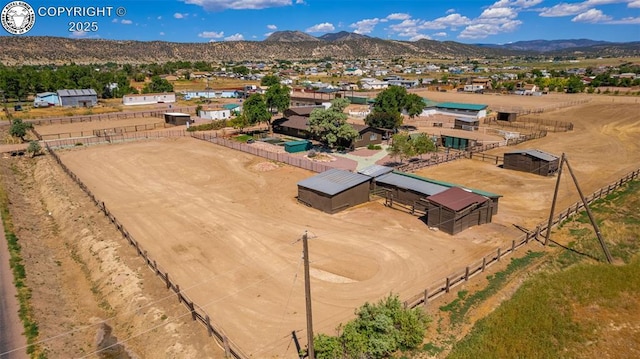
column 389, row 106
column 260, row 108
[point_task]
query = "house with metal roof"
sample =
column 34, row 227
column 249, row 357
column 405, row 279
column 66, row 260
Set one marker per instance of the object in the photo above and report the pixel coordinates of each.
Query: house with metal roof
column 334, row 190
column 78, row 98
column 532, row 161
column 456, row 209
column 46, row 99
column 148, row 98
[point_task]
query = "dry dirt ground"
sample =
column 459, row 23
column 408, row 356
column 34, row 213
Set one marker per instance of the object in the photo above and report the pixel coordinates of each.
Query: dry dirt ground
column 86, row 128
column 224, row 228
column 226, row 231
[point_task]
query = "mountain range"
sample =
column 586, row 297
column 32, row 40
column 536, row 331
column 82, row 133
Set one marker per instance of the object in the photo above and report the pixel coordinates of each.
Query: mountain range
column 292, row 45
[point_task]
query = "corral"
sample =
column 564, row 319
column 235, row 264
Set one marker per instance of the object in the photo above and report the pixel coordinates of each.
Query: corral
column 224, row 231
column 224, row 228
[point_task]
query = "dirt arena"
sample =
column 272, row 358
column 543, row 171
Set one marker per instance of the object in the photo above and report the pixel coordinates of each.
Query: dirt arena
column 226, row 231
column 66, row 130
column 224, row 224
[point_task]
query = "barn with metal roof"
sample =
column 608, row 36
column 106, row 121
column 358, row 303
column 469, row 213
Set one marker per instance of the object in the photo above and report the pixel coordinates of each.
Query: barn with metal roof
column 456, row 209
column 532, row 161
column 406, row 189
column 78, row 98
column 334, row 190
column 460, row 110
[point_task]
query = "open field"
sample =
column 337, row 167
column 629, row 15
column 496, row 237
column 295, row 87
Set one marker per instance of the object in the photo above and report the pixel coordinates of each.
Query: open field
column 226, row 233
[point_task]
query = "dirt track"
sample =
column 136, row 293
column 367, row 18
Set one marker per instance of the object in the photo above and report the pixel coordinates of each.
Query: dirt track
column 226, row 232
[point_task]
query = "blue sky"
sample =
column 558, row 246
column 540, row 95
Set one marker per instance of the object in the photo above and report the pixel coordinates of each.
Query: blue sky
column 466, row 21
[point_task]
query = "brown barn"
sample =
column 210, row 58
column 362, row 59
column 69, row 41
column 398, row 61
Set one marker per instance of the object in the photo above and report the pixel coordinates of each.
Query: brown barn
column 177, row 118
column 532, row 161
column 467, row 124
column 407, row 189
column 334, row 190
column 456, row 209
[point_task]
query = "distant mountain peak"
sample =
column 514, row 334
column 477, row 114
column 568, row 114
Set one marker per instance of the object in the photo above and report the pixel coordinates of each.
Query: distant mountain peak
column 342, row 36
column 290, row 36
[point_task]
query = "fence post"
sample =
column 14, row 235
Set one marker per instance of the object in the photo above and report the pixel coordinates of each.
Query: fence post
column 448, row 285
column 178, row 293
column 208, row 323
column 225, row 343
column 426, row 297
column 166, row 274
column 498, row 254
column 193, row 310
column 466, row 274
column 484, row 263
column 513, row 245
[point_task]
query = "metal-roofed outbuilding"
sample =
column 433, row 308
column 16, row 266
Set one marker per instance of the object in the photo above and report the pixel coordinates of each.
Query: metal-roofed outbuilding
column 456, row 209
column 334, row 190
column 78, row 98
column 532, row 161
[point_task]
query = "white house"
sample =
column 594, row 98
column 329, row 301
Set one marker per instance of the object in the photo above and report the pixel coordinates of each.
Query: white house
column 215, row 113
column 148, row 98
column 353, row 72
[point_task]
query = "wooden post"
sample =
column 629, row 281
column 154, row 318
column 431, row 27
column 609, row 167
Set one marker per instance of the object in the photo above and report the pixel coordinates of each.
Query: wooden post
column 227, row 349
column 498, row 254
column 484, row 263
column 596, row 228
column 553, row 203
column 166, row 274
column 178, row 293
column 513, row 245
column 448, row 285
column 426, row 297
column 192, row 309
column 307, row 291
column 466, row 274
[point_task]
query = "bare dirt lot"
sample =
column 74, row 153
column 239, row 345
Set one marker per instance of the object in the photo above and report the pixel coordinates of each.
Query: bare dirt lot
column 81, row 129
column 224, row 225
column 226, row 232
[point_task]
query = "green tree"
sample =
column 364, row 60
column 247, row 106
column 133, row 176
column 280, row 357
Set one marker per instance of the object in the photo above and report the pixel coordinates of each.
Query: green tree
column 413, row 104
column 34, row 148
column 19, row 128
column 255, row 110
column 242, row 70
column 386, row 120
column 270, row 80
column 422, row 144
column 278, row 97
column 401, row 146
column 575, row 85
column 330, row 125
column 240, row 122
column 377, row 331
column 157, row 85
column 391, row 100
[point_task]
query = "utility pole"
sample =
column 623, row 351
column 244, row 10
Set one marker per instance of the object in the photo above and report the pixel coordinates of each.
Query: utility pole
column 307, row 294
column 553, row 204
column 593, row 221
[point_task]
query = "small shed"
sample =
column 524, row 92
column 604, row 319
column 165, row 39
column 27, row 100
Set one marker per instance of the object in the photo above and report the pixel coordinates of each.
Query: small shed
column 297, row 146
column 177, row 118
column 467, row 124
column 532, row 161
column 334, row 190
column 458, row 143
column 507, row 116
column 78, row 98
column 456, row 209
column 366, row 136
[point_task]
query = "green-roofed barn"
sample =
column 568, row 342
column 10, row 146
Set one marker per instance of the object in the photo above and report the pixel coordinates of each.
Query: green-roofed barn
column 461, row 110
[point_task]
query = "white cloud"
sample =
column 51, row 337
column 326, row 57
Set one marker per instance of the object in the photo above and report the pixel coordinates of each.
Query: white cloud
column 634, row 4
column 564, row 9
column 365, row 26
column 479, row 31
column 398, row 16
column 300, row 2
column 180, row 16
column 126, row 22
column 234, row 37
column 592, row 16
column 161, row 33
column 440, row 34
column 268, row 34
column 324, row 27
column 79, row 34
column 220, row 5
column 450, row 11
column 419, row 37
column 499, row 12
column 451, row 20
column 211, row 34
column 159, row 18
column 272, row 27
column 625, row 21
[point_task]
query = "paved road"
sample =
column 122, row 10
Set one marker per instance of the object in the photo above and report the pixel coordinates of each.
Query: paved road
column 10, row 325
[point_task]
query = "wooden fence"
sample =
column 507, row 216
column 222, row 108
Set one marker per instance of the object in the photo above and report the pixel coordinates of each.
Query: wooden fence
column 435, row 159
column 197, row 312
column 273, row 156
column 461, row 276
column 486, row 157
column 122, row 137
column 101, row 132
column 108, row 116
